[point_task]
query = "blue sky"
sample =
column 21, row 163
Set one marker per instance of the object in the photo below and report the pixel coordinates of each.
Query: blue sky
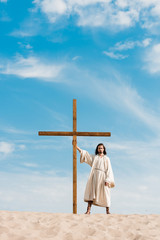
column 105, row 54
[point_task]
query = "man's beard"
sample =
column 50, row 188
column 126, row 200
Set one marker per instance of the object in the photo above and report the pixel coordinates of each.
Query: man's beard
column 100, row 152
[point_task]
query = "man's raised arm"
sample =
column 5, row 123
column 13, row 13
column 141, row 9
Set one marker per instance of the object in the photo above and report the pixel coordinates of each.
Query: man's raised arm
column 80, row 150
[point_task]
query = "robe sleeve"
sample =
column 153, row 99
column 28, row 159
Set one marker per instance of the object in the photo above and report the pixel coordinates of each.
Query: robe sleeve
column 109, row 175
column 86, row 157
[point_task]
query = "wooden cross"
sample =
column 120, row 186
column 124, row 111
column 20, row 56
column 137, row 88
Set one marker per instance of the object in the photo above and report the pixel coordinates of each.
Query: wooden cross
column 74, row 133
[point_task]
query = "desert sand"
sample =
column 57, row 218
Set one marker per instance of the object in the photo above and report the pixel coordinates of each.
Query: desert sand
column 59, row 226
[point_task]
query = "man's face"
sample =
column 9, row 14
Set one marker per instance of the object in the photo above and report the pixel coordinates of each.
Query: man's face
column 100, row 149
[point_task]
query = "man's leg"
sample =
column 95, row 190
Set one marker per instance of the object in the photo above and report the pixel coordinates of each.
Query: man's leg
column 107, row 210
column 89, row 207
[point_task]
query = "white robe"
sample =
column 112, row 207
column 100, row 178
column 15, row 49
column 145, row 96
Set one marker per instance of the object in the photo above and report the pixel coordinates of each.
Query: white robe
column 101, row 172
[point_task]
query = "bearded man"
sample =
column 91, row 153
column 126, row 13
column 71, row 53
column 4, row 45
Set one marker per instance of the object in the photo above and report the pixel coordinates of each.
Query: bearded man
column 100, row 180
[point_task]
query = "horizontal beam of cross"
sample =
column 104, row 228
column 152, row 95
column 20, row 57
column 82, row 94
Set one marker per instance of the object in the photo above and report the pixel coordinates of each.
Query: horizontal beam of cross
column 89, row 134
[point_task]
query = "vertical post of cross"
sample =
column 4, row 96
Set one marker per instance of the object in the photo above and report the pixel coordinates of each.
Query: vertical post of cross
column 74, row 157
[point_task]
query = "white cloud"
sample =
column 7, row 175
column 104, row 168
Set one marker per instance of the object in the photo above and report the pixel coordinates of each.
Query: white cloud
column 90, row 13
column 146, row 42
column 124, row 19
column 25, row 45
column 31, row 67
column 120, row 46
column 22, row 33
column 122, row 3
column 156, row 10
column 105, row 15
column 124, row 46
column 152, row 59
column 6, row 148
column 116, row 15
column 54, row 6
column 94, row 18
column 115, row 55
column 3, row 0
column 28, row 164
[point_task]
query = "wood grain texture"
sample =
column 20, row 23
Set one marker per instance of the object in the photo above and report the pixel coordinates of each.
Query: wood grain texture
column 88, row 134
column 74, row 157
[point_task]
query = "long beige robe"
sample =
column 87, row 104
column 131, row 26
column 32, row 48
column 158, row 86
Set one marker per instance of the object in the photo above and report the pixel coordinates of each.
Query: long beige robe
column 101, row 172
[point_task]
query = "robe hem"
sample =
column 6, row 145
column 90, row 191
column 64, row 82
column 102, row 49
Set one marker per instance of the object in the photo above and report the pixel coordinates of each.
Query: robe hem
column 97, row 204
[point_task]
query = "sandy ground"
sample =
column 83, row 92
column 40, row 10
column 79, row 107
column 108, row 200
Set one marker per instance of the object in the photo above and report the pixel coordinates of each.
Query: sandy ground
column 59, row 226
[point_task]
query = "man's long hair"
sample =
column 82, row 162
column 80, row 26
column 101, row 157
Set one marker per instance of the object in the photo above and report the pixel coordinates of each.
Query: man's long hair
column 104, row 152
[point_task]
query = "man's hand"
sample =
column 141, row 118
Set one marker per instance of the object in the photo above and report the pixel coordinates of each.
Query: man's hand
column 76, row 146
column 107, row 184
column 74, row 141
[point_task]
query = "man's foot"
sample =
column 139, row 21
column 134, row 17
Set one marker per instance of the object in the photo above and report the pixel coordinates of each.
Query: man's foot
column 88, row 210
column 107, row 210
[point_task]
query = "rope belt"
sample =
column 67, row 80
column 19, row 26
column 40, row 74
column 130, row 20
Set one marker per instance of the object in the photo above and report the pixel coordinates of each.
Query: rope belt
column 100, row 169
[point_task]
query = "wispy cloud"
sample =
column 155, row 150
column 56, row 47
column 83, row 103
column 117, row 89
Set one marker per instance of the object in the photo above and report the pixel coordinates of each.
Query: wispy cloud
column 117, row 93
column 76, row 58
column 25, row 45
column 113, row 52
column 126, row 98
column 152, row 59
column 13, row 130
column 30, row 27
column 31, row 67
column 23, row 33
column 61, row 119
column 30, row 165
column 121, row 46
column 115, row 55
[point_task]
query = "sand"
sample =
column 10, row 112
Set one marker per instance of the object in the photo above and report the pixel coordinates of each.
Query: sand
column 59, row 226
